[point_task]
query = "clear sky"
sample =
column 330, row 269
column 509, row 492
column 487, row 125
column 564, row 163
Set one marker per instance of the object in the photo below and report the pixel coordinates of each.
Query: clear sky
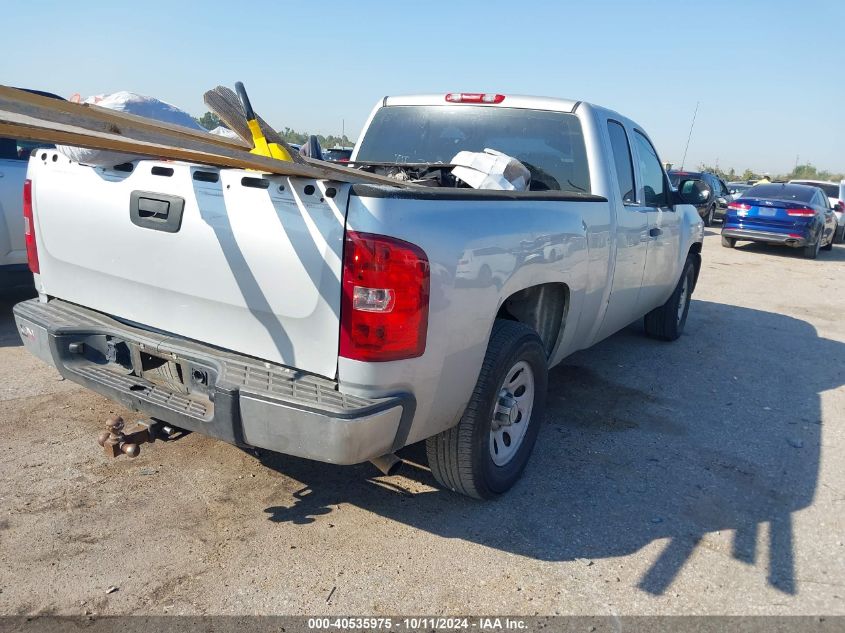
column 769, row 76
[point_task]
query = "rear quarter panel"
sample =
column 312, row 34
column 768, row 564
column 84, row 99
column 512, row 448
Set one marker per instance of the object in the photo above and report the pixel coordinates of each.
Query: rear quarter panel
column 512, row 244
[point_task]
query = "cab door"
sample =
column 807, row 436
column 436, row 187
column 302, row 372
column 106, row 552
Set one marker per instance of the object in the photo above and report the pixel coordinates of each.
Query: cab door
column 631, row 236
column 664, row 227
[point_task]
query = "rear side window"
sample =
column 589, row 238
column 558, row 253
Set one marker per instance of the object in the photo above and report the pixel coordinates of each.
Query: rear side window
column 654, row 183
column 801, row 193
column 830, row 190
column 622, row 160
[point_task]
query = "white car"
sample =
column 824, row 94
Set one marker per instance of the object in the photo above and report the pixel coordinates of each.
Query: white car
column 14, row 272
column 835, row 192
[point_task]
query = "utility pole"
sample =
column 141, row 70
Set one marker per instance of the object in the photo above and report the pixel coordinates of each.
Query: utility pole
column 683, row 160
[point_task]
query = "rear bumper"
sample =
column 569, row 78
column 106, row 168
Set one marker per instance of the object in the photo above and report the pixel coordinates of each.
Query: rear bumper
column 764, row 236
column 234, row 398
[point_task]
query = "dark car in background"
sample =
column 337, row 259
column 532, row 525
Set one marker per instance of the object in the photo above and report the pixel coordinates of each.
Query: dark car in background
column 338, row 154
column 736, row 189
column 716, row 205
column 780, row 213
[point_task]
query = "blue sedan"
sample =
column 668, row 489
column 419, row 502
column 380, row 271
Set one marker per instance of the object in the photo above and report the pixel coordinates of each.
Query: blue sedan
column 794, row 215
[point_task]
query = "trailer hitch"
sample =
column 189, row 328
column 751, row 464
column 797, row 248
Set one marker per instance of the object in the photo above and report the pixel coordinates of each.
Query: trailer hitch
column 116, row 439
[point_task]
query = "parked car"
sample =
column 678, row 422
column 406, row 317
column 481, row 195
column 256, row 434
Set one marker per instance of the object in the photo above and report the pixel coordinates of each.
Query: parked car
column 338, row 154
column 14, row 273
column 736, row 189
column 14, row 154
column 835, row 193
column 780, row 213
column 715, row 206
column 339, row 322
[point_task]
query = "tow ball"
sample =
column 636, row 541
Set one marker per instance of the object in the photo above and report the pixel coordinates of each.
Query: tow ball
column 116, row 439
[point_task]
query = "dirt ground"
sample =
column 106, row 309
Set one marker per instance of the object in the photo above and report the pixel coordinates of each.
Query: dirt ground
column 703, row 476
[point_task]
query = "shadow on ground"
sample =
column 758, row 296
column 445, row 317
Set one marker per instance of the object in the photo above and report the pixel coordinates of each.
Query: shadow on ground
column 9, row 336
column 642, row 441
column 837, row 254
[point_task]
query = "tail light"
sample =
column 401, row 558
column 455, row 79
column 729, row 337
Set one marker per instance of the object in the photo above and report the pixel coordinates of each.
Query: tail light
column 474, row 97
column 739, row 206
column 384, row 307
column 800, row 213
column 29, row 228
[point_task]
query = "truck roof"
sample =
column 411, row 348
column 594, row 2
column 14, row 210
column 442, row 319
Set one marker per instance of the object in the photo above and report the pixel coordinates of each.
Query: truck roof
column 507, row 101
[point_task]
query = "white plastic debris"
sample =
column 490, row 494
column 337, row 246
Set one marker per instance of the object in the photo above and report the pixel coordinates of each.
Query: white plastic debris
column 224, row 131
column 131, row 103
column 491, row 170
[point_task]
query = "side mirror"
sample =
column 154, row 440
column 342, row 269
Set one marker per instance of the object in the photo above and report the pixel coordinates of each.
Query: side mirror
column 721, row 202
column 839, row 207
column 693, row 191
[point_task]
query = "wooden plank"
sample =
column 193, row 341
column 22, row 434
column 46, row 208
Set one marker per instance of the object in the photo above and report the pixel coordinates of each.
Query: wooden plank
column 36, row 105
column 44, row 119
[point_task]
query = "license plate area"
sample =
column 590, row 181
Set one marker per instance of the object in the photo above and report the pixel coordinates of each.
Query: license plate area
column 140, row 369
column 766, row 212
column 168, row 373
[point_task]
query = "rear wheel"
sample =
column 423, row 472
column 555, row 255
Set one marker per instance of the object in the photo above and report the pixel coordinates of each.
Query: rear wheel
column 708, row 217
column 667, row 322
column 811, row 251
column 728, row 242
column 829, row 245
column 484, row 455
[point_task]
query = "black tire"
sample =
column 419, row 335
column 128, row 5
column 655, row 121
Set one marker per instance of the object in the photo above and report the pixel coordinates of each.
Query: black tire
column 829, row 246
column 667, row 322
column 811, row 251
column 839, row 235
column 708, row 217
column 728, row 242
column 460, row 457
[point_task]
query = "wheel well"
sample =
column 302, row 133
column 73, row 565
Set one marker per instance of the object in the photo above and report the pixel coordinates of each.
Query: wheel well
column 542, row 308
column 695, row 254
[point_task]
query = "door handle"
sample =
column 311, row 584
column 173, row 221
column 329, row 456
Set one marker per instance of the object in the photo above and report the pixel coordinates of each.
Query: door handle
column 655, row 232
column 156, row 211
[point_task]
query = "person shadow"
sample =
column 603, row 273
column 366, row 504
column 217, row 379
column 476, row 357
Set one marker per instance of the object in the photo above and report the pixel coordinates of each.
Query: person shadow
column 642, row 442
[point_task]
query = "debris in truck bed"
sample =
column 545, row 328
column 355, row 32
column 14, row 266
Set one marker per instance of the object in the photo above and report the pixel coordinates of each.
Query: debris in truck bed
column 33, row 117
column 491, row 170
column 131, row 103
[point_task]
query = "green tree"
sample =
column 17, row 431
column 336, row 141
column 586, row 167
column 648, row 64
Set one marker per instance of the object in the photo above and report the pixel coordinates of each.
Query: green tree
column 209, row 121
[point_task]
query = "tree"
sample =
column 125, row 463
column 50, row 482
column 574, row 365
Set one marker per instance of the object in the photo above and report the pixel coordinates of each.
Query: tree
column 209, row 121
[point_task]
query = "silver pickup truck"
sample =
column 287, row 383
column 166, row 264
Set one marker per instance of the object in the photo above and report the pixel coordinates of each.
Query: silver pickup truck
column 342, row 322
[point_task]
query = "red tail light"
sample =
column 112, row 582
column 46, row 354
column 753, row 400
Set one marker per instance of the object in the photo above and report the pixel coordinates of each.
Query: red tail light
column 384, row 308
column 474, row 97
column 29, row 228
column 738, row 206
column 801, row 213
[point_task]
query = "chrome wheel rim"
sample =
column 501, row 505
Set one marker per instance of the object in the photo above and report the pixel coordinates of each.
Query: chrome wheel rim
column 682, row 300
column 511, row 413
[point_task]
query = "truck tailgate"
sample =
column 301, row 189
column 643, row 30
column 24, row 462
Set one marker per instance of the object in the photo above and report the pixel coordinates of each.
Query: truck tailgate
column 250, row 264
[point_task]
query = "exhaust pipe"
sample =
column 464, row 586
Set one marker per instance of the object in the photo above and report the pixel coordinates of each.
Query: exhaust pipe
column 388, row 464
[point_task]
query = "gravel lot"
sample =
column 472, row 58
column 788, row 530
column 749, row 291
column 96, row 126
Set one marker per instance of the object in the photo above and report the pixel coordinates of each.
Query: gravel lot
column 703, row 476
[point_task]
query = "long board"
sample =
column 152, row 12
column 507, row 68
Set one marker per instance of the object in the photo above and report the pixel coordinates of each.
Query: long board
column 34, row 117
